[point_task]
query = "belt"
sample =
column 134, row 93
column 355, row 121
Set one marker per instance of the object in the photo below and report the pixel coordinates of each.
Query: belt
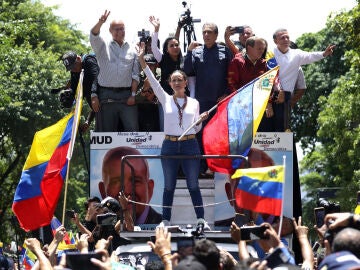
column 110, row 100
column 116, row 88
column 176, row 138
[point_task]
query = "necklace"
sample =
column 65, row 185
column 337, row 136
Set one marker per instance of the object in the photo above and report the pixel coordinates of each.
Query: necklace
column 180, row 110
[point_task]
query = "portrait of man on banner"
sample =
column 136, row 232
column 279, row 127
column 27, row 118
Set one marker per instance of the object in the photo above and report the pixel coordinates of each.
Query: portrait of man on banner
column 105, row 176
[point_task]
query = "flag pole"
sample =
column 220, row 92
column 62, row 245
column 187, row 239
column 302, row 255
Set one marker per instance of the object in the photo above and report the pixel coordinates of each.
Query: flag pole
column 77, row 113
column 65, row 192
column 282, row 199
column 197, row 122
column 223, row 100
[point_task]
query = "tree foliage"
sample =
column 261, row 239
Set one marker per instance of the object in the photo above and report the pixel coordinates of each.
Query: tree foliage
column 32, row 41
column 335, row 160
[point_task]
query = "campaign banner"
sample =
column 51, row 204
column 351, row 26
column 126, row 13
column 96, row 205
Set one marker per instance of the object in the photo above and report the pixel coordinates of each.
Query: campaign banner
column 105, row 175
column 149, row 180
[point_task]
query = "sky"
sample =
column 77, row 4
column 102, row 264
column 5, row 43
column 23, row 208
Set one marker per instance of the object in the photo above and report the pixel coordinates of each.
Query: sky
column 298, row 17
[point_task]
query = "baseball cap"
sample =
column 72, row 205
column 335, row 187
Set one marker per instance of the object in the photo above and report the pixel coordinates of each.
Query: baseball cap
column 150, row 58
column 69, row 59
column 342, row 260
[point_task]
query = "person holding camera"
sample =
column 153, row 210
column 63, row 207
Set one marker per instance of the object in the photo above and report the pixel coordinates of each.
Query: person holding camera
column 180, row 111
column 75, row 64
column 244, row 32
column 118, row 78
column 93, row 208
column 148, row 105
column 340, row 236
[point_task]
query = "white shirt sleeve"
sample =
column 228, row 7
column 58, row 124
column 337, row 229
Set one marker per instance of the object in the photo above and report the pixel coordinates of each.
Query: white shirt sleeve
column 156, row 51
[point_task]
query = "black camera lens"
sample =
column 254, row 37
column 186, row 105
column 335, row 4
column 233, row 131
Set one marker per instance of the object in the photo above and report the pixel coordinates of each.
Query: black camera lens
column 330, row 207
column 67, row 98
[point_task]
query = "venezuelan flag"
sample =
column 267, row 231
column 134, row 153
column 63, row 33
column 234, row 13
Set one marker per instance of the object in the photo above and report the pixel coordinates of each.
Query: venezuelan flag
column 232, row 129
column 260, row 189
column 43, row 175
column 54, row 224
column 28, row 258
column 68, row 242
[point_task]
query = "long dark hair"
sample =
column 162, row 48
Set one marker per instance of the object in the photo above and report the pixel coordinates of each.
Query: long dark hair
column 165, row 47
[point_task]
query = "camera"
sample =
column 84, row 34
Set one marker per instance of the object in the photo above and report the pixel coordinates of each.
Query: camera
column 186, row 18
column 70, row 213
column 67, row 97
column 249, row 233
column 108, row 219
column 241, row 219
column 144, row 35
column 330, row 207
column 238, row 29
column 106, row 224
column 276, row 258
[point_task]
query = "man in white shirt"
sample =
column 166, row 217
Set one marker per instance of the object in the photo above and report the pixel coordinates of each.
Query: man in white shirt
column 290, row 60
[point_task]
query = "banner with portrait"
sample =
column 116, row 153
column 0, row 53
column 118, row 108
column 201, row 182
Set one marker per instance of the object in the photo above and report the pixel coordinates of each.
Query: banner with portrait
column 149, row 189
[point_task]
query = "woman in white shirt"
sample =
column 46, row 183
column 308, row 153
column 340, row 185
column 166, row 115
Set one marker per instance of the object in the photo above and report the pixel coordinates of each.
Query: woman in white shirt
column 180, row 111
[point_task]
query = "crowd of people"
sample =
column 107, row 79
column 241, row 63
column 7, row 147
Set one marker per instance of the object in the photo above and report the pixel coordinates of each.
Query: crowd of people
column 144, row 88
column 336, row 247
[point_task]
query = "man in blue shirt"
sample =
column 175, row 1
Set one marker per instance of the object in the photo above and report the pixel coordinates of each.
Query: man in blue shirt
column 209, row 64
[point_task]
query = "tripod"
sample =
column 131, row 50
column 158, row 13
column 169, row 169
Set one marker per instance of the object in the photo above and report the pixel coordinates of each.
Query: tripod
column 189, row 34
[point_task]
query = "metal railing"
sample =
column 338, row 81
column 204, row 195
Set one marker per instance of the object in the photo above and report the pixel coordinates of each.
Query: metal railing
column 125, row 160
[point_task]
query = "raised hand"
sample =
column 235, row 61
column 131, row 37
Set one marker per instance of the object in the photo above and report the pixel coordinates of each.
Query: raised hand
column 329, row 50
column 155, row 22
column 104, row 16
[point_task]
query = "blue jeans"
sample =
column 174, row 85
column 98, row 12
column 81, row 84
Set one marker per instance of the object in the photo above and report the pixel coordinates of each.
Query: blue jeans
column 190, row 168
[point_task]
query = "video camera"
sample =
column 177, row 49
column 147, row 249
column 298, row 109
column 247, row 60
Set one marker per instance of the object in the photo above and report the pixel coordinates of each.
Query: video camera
column 66, row 95
column 186, row 19
column 144, row 35
column 330, row 207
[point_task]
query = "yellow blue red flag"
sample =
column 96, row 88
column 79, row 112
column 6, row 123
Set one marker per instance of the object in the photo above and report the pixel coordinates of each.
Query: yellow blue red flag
column 232, row 129
column 43, row 175
column 260, row 189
